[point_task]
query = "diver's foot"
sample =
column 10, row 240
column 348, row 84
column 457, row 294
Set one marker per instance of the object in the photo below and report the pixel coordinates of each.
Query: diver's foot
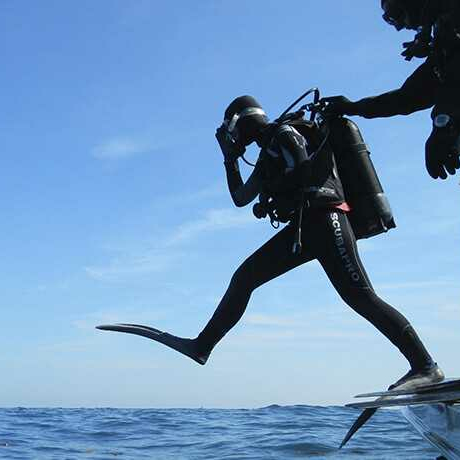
column 201, row 352
column 188, row 347
column 418, row 378
column 200, row 356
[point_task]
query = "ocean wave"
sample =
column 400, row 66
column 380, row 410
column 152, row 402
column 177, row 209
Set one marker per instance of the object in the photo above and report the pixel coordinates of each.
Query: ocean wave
column 272, row 432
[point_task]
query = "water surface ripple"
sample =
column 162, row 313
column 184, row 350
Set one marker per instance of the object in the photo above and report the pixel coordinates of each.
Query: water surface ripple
column 274, row 432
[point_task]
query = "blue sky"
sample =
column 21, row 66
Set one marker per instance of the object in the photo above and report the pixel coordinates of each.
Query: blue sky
column 115, row 206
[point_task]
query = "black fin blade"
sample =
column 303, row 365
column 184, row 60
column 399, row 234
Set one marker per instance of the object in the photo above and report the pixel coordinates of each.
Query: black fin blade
column 366, row 414
column 136, row 329
column 182, row 345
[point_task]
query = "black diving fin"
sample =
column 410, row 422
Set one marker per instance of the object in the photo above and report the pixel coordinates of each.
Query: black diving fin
column 365, row 415
column 187, row 347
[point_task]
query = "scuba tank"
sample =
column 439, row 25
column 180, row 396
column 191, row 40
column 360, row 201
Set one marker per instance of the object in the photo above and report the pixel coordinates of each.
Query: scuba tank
column 371, row 212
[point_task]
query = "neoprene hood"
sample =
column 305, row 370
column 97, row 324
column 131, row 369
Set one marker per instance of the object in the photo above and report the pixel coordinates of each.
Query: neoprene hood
column 243, row 119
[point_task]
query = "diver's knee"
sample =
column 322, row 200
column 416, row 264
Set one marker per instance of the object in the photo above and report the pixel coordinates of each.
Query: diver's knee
column 242, row 279
column 357, row 296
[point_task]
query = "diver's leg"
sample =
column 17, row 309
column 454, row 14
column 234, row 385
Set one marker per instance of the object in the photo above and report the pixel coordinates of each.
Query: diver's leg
column 273, row 259
column 339, row 257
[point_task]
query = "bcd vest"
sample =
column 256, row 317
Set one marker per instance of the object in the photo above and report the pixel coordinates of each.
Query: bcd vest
column 315, row 181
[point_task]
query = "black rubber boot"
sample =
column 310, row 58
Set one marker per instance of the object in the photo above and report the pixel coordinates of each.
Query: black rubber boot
column 413, row 349
column 413, row 379
column 201, row 351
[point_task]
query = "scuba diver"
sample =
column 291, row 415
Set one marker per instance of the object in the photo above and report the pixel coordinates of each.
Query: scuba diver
column 297, row 181
column 435, row 83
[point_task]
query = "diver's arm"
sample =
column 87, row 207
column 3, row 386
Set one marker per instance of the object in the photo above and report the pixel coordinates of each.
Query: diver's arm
column 243, row 193
column 291, row 145
column 417, row 93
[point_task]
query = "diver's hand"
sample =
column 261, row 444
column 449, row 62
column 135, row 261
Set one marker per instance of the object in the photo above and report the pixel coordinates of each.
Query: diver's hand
column 442, row 152
column 230, row 149
column 337, row 105
column 420, row 47
column 417, row 48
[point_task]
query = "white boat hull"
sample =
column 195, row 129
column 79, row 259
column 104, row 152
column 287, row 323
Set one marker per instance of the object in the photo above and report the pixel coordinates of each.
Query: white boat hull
column 439, row 424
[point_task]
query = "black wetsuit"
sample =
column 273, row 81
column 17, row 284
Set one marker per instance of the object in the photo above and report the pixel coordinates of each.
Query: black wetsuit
column 435, row 83
column 422, row 90
column 326, row 236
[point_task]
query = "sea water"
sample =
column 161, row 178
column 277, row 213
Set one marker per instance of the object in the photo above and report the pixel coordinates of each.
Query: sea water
column 274, row 432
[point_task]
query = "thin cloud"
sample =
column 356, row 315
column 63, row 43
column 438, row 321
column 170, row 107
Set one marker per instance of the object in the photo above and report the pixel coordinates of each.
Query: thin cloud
column 366, row 246
column 131, row 265
column 316, row 332
column 450, row 312
column 446, row 225
column 208, row 194
column 120, row 148
column 451, row 308
column 110, row 316
column 309, row 324
column 214, row 190
column 159, row 257
column 215, row 219
column 276, row 321
column 415, row 285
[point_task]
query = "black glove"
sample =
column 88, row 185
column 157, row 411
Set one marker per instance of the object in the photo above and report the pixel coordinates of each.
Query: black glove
column 230, row 149
column 337, row 105
column 442, row 153
column 420, row 47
